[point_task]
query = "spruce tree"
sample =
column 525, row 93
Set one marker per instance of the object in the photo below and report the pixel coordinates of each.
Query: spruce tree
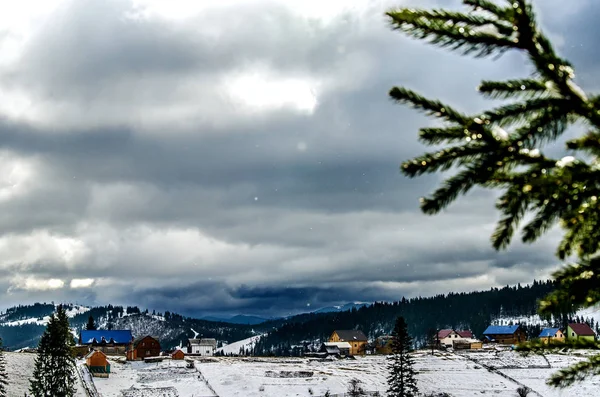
column 53, row 374
column 91, row 324
column 503, row 148
column 401, row 379
column 3, row 374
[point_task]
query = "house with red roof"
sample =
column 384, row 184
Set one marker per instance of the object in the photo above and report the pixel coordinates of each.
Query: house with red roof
column 579, row 331
column 447, row 337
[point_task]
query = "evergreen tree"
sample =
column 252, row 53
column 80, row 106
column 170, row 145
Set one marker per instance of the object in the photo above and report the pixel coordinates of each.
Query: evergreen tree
column 502, row 148
column 401, row 380
column 3, row 374
column 91, row 324
column 53, row 375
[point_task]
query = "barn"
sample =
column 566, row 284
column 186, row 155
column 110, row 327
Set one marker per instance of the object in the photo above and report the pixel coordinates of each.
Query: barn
column 142, row 347
column 178, row 354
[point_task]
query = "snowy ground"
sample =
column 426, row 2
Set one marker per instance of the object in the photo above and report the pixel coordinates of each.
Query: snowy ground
column 19, row 368
column 489, row 372
column 169, row 378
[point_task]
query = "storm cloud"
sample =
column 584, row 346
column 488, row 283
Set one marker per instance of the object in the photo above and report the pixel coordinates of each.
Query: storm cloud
column 239, row 156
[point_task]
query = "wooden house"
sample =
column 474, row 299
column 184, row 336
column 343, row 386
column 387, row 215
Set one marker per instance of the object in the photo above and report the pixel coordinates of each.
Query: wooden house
column 142, row 347
column 202, row 346
column 335, row 349
column 552, row 335
column 97, row 364
column 582, row 332
column 178, row 354
column 357, row 340
column 107, row 341
column 504, row 334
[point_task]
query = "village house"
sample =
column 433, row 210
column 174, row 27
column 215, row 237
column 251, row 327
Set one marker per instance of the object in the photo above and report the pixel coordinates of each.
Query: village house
column 582, row 332
column 202, row 346
column 339, row 349
column 447, row 337
column 504, row 334
column 142, row 347
column 107, row 341
column 551, row 335
column 357, row 340
column 178, row 354
column 97, row 364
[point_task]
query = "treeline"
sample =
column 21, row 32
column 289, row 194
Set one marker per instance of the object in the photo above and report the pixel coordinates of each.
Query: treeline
column 20, row 312
column 469, row 310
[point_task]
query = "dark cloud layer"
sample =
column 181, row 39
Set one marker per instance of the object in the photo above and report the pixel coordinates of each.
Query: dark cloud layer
column 241, row 162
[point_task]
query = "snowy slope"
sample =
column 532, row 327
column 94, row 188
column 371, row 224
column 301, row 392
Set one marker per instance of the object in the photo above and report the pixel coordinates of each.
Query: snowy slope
column 234, row 348
column 19, row 368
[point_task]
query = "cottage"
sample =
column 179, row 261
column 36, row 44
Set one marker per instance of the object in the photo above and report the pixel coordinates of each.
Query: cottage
column 335, row 348
column 97, row 364
column 357, row 340
column 581, row 332
column 447, row 337
column 108, row 342
column 178, row 354
column 505, row 334
column 142, row 347
column 551, row 335
column 202, row 347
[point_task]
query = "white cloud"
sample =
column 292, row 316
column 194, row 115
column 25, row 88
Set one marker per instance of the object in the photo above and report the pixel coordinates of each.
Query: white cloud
column 259, row 90
column 36, row 284
column 81, row 282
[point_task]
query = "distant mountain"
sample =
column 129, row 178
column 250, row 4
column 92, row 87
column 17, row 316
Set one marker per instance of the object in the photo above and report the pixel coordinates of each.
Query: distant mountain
column 239, row 319
column 343, row 308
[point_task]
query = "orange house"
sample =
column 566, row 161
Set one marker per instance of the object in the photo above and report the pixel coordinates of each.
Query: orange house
column 97, row 363
column 178, row 355
column 142, row 347
column 357, row 339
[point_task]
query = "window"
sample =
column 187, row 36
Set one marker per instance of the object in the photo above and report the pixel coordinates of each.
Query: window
column 143, row 344
column 147, row 352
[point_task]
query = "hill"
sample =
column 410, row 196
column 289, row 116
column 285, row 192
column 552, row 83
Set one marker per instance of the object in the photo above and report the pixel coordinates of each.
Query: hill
column 22, row 326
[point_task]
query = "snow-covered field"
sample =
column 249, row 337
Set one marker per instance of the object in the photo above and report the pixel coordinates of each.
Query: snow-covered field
column 169, row 378
column 19, row 368
column 488, row 372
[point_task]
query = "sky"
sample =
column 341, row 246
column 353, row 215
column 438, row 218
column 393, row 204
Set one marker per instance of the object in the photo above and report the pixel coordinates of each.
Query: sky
column 226, row 156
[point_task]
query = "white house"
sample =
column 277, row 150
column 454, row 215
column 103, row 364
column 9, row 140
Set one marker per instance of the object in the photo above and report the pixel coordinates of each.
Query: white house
column 202, row 347
column 447, row 337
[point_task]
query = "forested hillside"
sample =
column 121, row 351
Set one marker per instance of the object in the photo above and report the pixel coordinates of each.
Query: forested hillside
column 473, row 310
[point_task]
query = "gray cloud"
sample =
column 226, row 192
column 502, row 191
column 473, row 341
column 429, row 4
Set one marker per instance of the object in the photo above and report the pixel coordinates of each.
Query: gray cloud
column 134, row 166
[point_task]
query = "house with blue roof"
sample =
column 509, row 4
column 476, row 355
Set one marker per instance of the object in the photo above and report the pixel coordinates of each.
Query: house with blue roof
column 552, row 335
column 504, row 334
column 106, row 341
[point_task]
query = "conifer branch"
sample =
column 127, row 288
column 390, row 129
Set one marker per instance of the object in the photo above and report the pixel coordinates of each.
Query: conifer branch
column 430, row 107
column 576, row 373
column 469, row 38
column 507, row 89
